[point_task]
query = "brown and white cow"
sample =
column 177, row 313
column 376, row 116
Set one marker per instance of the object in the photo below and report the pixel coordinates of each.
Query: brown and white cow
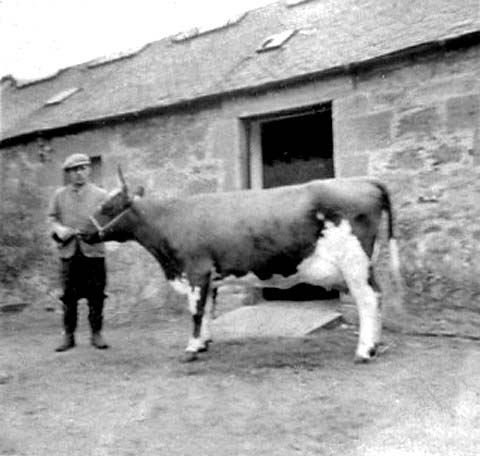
column 322, row 233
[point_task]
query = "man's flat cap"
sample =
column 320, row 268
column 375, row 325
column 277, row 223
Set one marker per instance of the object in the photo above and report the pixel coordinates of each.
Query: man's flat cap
column 74, row 160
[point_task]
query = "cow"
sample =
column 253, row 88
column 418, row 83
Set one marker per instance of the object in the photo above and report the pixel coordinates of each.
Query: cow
column 322, row 232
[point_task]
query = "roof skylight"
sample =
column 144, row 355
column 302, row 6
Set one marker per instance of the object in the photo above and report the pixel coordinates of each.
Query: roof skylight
column 291, row 3
column 116, row 56
column 61, row 96
column 26, row 82
column 207, row 28
column 276, row 41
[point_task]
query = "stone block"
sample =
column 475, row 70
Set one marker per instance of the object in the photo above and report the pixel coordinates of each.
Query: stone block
column 201, row 186
column 463, row 112
column 352, row 166
column 423, row 122
column 409, row 159
column 442, row 88
column 352, row 135
column 388, row 98
column 445, row 153
column 353, row 105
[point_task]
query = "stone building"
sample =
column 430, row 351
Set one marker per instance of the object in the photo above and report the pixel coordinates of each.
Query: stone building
column 288, row 92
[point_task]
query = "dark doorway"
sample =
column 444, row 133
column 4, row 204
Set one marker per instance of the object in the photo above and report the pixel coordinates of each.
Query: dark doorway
column 298, row 147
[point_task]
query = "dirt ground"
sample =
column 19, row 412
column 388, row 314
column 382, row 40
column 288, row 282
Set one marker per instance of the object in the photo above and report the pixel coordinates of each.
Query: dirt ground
column 246, row 397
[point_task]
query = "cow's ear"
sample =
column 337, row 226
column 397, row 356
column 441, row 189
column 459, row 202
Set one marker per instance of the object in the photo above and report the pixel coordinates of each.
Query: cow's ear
column 139, row 191
column 123, row 182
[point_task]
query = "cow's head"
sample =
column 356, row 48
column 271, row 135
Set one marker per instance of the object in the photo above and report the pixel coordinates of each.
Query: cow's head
column 112, row 221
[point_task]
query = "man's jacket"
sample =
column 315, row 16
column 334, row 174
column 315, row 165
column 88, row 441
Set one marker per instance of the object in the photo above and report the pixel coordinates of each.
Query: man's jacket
column 70, row 207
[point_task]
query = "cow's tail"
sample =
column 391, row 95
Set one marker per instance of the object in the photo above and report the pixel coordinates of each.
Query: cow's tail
column 392, row 241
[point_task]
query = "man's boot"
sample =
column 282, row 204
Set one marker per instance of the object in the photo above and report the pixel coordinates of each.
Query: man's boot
column 95, row 317
column 67, row 344
column 98, row 341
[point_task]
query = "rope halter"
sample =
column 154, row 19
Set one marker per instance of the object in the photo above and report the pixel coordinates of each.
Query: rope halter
column 102, row 229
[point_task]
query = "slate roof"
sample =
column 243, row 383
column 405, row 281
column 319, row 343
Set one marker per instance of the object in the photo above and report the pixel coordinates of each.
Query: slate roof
column 329, row 34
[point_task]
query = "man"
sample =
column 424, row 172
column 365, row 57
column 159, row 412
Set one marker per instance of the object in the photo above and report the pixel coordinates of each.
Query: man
column 83, row 270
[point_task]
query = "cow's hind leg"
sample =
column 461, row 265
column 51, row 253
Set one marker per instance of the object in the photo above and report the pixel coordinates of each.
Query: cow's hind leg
column 355, row 267
column 378, row 293
column 197, row 297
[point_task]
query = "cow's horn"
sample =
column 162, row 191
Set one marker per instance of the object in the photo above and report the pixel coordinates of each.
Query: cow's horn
column 122, row 178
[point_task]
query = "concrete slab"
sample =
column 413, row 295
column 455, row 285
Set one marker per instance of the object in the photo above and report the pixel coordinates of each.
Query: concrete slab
column 276, row 318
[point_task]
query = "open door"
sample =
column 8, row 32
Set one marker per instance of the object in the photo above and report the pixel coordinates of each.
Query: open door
column 295, row 147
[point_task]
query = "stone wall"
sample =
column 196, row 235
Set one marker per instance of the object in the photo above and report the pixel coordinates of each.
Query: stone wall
column 26, row 267
column 417, row 126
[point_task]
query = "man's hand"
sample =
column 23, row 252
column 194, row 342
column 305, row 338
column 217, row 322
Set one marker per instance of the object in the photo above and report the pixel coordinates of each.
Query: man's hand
column 64, row 233
column 90, row 238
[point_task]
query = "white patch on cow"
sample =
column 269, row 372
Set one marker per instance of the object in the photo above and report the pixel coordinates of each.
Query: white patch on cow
column 182, row 286
column 323, row 266
column 320, row 216
column 193, row 299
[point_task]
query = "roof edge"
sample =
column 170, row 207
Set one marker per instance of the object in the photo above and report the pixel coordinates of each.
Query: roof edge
column 457, row 42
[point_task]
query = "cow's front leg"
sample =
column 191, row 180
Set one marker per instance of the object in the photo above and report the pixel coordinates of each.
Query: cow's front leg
column 197, row 297
column 208, row 316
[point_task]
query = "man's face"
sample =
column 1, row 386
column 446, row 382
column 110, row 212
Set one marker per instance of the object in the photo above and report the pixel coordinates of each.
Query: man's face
column 79, row 175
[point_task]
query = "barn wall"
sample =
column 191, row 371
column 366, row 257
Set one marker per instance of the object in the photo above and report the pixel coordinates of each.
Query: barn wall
column 415, row 124
column 25, row 255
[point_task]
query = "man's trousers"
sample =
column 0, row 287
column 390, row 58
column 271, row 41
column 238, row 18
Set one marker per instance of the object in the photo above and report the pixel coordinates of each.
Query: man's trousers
column 83, row 277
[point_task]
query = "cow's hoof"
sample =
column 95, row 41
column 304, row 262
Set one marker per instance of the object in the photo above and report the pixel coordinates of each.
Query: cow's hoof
column 189, row 357
column 372, row 353
column 361, row 360
column 205, row 347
